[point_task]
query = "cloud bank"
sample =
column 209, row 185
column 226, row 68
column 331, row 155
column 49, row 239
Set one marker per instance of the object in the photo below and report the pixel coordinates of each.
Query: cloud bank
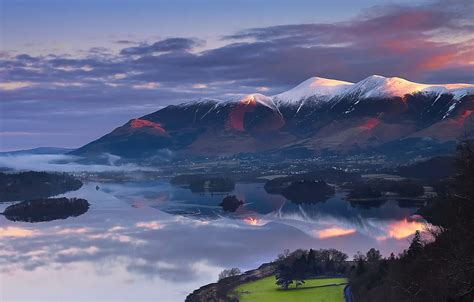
column 90, row 93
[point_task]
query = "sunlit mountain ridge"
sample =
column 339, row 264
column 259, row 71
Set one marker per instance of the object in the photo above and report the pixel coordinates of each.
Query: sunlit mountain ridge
column 318, row 116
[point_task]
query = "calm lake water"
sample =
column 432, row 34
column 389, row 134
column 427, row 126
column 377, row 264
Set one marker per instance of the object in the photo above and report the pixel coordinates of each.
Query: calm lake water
column 150, row 241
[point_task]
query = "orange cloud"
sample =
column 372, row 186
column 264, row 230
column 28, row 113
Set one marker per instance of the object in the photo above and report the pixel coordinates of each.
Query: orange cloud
column 438, row 61
column 253, row 221
column 151, row 225
column 334, row 232
column 402, row 229
column 69, row 231
column 15, row 85
column 16, row 232
column 399, row 45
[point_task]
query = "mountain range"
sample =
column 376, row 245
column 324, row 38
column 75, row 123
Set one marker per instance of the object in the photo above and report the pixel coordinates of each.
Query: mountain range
column 318, row 116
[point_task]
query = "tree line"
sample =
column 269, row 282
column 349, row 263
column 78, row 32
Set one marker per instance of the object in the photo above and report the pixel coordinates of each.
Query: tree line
column 439, row 264
column 295, row 268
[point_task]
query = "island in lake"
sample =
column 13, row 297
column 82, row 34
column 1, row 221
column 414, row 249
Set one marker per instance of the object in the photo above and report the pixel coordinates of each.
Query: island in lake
column 31, row 185
column 306, row 191
column 231, row 203
column 40, row 210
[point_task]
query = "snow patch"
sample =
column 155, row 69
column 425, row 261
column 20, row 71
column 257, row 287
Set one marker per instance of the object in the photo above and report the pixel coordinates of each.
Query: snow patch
column 374, row 86
column 378, row 87
column 321, row 88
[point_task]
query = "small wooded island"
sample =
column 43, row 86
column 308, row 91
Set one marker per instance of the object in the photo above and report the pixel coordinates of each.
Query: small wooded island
column 39, row 210
column 231, row 203
column 31, row 185
column 306, row 191
column 330, row 175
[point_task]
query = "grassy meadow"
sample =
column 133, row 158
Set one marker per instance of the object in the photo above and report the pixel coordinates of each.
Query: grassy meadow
column 314, row 290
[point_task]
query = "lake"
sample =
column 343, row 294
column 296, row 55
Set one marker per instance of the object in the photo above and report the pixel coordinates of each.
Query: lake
column 151, row 241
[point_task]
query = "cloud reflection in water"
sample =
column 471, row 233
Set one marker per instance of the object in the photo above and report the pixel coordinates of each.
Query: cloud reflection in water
column 165, row 256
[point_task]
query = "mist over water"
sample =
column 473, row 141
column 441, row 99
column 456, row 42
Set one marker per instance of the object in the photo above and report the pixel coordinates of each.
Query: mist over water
column 151, row 241
column 65, row 163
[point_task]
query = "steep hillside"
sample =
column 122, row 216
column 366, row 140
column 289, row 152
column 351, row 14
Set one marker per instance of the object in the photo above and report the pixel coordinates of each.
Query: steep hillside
column 319, row 115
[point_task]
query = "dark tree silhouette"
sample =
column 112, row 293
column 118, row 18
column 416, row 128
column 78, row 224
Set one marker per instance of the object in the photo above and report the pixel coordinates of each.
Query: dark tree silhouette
column 373, row 255
column 300, row 270
column 360, row 260
column 284, row 276
column 300, row 265
column 438, row 269
column 416, row 245
column 229, row 273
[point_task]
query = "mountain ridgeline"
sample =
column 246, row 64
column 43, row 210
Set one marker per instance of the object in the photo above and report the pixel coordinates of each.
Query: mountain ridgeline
column 319, row 116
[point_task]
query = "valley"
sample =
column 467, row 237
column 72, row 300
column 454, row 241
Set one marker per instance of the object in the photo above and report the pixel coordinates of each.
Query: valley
column 236, row 151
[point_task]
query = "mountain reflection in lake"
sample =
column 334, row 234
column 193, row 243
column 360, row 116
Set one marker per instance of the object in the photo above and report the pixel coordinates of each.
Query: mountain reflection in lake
column 150, row 241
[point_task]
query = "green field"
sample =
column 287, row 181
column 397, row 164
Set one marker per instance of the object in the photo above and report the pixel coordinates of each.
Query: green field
column 312, row 291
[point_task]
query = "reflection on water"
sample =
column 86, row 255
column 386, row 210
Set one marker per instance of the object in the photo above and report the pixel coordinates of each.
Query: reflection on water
column 47, row 209
column 149, row 241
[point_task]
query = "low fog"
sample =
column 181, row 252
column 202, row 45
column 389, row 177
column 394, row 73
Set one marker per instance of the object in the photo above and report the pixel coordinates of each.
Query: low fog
column 64, row 163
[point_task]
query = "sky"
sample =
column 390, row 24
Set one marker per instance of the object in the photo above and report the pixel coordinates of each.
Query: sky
column 71, row 71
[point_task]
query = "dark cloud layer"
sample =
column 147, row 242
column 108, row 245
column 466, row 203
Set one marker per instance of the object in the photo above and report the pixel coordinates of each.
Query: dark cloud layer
column 172, row 44
column 431, row 43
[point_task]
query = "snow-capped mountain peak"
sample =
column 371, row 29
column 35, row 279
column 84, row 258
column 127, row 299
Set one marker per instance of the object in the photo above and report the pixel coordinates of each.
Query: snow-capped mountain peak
column 379, row 86
column 318, row 91
column 315, row 86
column 374, row 86
column 318, row 115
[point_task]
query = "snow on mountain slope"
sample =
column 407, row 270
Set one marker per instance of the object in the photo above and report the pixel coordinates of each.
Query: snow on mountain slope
column 319, row 87
column 264, row 100
column 309, row 117
column 378, row 87
column 371, row 87
column 258, row 98
column 322, row 90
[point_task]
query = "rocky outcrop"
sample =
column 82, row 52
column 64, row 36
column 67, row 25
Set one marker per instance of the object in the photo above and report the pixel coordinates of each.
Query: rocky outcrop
column 222, row 290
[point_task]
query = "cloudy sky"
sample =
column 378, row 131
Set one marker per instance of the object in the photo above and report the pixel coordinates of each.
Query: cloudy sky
column 70, row 71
